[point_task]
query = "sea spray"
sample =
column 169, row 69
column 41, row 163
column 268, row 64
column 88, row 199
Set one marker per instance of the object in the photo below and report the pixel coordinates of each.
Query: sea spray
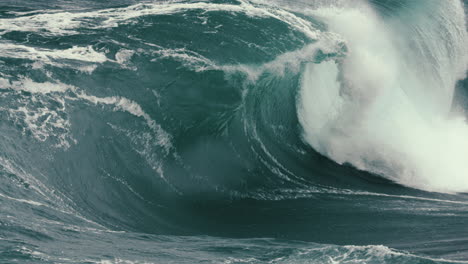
column 385, row 107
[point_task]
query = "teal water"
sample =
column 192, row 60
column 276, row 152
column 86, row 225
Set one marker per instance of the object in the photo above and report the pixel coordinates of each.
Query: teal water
column 233, row 131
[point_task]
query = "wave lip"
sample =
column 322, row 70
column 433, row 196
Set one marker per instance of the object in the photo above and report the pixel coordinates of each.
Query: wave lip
column 385, row 107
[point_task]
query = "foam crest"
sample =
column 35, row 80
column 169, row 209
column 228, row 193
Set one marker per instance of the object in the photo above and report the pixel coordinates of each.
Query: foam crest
column 28, row 85
column 189, row 59
column 385, row 107
column 129, row 106
column 55, row 57
column 46, row 121
column 66, row 23
column 330, row 44
column 42, row 113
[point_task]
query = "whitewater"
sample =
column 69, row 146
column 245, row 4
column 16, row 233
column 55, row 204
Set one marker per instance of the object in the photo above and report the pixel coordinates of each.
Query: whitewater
column 233, row 131
column 386, row 107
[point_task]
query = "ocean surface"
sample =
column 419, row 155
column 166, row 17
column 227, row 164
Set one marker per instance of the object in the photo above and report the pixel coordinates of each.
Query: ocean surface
column 233, row 131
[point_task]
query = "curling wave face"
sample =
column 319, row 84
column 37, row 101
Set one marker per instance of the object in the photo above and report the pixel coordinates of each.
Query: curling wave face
column 238, row 119
column 386, row 106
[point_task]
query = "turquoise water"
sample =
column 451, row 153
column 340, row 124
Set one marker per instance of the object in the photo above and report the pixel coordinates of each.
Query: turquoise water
column 233, row 131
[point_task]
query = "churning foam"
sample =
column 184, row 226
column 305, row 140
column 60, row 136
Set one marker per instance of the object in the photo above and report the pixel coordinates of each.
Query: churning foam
column 385, row 107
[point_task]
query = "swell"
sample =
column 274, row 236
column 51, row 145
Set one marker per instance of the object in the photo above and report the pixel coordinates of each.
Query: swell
column 115, row 117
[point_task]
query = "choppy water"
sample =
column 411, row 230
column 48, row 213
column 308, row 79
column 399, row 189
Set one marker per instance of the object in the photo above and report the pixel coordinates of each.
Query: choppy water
column 247, row 131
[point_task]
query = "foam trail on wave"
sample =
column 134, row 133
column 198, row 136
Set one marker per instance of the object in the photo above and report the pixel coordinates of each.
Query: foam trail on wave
column 129, row 106
column 67, row 23
column 385, row 108
column 43, row 129
column 84, row 59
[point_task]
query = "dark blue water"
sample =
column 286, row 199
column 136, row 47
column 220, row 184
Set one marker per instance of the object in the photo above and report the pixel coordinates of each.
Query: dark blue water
column 233, row 132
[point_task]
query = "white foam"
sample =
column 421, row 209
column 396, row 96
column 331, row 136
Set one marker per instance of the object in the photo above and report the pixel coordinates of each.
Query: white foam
column 43, row 122
column 124, row 104
column 63, row 23
column 28, row 85
column 55, row 57
column 147, row 145
column 189, row 59
column 22, row 200
column 385, row 109
column 290, row 61
column 123, row 57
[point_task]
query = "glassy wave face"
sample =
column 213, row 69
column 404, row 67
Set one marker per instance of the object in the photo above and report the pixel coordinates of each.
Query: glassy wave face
column 246, row 131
